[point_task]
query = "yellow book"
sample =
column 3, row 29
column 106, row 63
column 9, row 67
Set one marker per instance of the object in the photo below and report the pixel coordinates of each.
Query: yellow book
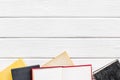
column 6, row 73
column 61, row 60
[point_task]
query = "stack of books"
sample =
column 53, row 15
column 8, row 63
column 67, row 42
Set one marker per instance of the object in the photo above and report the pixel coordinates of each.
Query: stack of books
column 60, row 68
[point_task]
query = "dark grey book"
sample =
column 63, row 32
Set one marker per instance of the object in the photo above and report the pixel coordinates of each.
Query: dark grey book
column 110, row 71
column 24, row 73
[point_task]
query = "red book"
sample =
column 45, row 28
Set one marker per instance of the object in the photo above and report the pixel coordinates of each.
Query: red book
column 77, row 72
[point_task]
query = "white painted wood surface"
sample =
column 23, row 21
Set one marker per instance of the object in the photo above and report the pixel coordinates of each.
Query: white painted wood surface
column 40, row 50
column 88, row 8
column 38, row 30
column 51, row 47
column 59, row 27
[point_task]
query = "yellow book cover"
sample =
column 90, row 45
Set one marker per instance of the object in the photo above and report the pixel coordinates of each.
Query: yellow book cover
column 6, row 73
column 61, row 60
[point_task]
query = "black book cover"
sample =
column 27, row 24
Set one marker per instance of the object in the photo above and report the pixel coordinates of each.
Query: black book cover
column 109, row 72
column 24, row 73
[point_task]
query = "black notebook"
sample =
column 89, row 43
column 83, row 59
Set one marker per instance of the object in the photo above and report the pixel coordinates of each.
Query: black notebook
column 108, row 72
column 23, row 73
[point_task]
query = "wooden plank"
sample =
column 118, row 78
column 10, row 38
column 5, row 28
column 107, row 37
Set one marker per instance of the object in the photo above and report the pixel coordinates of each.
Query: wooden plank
column 59, row 27
column 96, row 63
column 82, row 8
column 50, row 47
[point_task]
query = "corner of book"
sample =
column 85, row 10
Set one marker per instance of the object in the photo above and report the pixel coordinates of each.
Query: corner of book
column 20, row 61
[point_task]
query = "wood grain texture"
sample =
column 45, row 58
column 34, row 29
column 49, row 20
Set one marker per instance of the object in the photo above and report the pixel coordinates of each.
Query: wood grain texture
column 47, row 48
column 60, row 27
column 38, row 30
column 83, row 8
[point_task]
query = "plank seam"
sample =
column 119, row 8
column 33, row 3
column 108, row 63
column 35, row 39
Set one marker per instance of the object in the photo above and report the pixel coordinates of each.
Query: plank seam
column 59, row 16
column 53, row 57
column 65, row 37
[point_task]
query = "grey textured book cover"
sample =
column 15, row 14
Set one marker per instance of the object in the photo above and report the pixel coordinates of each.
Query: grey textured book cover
column 108, row 72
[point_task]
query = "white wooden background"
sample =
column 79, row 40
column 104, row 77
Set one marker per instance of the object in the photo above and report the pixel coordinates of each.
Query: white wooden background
column 38, row 30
